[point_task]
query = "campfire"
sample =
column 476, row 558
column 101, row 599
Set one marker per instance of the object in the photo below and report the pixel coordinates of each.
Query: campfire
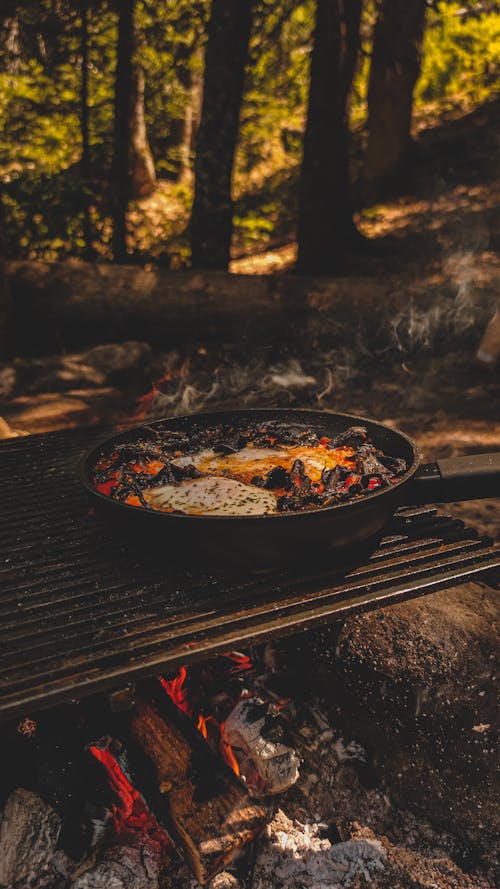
column 185, row 768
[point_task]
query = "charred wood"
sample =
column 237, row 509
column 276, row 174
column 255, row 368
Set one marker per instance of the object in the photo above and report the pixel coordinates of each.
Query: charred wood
column 189, row 788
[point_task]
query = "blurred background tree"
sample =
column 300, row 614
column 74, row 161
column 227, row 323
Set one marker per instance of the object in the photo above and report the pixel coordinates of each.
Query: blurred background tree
column 102, row 128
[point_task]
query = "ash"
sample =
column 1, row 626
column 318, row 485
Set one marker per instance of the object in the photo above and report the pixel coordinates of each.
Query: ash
column 297, row 857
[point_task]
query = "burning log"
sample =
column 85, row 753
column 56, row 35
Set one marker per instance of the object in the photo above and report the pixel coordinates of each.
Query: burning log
column 256, row 734
column 189, row 788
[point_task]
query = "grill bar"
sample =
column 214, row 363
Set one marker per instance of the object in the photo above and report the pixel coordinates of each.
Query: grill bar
column 79, row 614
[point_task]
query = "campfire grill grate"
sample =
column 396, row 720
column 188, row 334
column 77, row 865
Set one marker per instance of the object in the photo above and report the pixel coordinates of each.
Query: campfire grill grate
column 81, row 614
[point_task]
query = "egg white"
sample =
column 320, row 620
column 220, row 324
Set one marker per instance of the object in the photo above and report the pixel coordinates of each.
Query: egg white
column 213, row 495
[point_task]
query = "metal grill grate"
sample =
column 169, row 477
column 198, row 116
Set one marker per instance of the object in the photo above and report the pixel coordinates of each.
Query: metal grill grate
column 80, row 614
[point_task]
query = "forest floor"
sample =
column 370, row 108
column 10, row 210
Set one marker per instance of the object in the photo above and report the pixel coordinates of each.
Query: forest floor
column 449, row 204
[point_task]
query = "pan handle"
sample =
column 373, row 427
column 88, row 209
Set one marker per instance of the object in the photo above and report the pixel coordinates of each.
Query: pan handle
column 456, row 478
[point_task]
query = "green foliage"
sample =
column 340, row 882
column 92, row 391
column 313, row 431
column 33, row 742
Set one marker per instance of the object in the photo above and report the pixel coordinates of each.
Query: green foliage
column 40, row 138
column 461, row 59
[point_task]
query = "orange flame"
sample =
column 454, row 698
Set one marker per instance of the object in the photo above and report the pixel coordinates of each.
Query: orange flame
column 202, row 726
column 227, row 754
column 176, row 689
column 144, row 402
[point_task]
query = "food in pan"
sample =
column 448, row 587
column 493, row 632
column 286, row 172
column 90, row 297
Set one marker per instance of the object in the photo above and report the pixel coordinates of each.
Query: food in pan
column 264, row 469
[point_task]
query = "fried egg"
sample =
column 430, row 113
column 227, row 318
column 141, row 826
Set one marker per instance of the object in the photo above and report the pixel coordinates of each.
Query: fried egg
column 215, row 495
column 252, row 461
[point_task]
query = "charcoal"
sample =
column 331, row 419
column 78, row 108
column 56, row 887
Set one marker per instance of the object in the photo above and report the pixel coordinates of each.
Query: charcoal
column 353, row 437
column 258, row 481
column 180, row 473
column 287, row 503
column 367, row 458
column 230, row 444
column 333, row 480
column 298, row 473
column 353, row 489
column 367, row 482
column 395, row 464
column 278, row 478
column 122, row 492
column 286, row 434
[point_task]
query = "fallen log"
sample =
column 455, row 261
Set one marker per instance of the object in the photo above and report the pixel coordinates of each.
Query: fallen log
column 190, row 789
column 69, row 305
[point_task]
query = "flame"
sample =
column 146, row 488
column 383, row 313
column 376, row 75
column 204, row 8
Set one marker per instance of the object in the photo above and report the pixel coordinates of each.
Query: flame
column 202, row 726
column 176, row 690
column 131, row 814
column 144, row 402
column 227, row 753
column 208, row 726
column 242, row 662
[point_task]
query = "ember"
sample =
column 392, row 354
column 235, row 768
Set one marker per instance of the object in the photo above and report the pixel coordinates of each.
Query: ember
column 131, row 814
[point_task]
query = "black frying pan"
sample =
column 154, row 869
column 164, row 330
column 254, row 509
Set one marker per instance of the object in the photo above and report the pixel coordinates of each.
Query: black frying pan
column 277, row 539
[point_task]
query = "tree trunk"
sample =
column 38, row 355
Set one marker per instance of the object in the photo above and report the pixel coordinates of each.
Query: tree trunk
column 395, row 66
column 325, row 225
column 191, row 124
column 84, row 123
column 4, row 292
column 226, row 56
column 120, row 179
column 142, row 168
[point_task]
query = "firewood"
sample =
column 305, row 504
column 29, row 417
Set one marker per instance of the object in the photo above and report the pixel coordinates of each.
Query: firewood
column 190, row 789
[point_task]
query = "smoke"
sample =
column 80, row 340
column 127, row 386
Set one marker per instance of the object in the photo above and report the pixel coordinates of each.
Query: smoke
column 248, row 381
column 442, row 311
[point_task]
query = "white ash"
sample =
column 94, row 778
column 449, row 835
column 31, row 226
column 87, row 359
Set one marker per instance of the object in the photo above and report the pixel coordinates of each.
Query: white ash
column 348, row 752
column 123, row 867
column 296, row 857
column 276, row 764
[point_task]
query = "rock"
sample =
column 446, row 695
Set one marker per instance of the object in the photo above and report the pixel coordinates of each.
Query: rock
column 28, row 837
column 49, row 411
column 6, row 431
column 121, row 364
column 122, row 867
column 8, row 380
column 416, row 686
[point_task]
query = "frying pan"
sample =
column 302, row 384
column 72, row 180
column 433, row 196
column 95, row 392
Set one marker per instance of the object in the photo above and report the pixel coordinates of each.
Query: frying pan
column 278, row 539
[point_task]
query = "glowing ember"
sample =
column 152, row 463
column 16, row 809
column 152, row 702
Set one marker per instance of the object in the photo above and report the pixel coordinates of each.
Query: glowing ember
column 130, row 815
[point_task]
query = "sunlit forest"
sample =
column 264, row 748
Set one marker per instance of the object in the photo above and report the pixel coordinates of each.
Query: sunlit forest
column 109, row 126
